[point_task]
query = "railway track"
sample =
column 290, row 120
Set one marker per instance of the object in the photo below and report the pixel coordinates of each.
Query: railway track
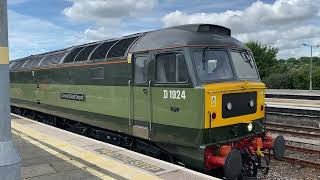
column 294, row 130
column 298, row 131
column 302, row 149
column 303, row 162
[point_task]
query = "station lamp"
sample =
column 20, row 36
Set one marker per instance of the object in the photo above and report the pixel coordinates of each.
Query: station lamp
column 310, row 73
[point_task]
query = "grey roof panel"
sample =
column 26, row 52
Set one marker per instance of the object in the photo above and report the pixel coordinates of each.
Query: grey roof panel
column 185, row 35
column 172, row 37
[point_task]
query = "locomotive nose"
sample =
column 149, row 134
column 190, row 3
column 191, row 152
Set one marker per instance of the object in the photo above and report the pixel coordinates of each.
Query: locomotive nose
column 233, row 164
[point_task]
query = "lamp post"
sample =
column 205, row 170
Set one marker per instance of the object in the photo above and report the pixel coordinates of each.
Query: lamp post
column 9, row 157
column 310, row 73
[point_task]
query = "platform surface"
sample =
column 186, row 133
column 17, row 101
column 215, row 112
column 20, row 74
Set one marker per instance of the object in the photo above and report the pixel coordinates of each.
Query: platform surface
column 294, row 104
column 293, row 92
column 51, row 153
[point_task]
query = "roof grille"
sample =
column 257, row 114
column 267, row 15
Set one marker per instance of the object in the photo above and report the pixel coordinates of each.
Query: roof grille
column 33, row 62
column 84, row 54
column 120, row 49
column 19, row 64
column 101, row 51
column 52, row 59
column 70, row 57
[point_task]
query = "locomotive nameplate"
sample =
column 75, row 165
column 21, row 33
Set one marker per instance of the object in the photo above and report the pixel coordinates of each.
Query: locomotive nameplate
column 73, row 97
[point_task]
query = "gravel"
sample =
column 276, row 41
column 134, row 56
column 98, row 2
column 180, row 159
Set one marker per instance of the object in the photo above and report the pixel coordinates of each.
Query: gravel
column 287, row 171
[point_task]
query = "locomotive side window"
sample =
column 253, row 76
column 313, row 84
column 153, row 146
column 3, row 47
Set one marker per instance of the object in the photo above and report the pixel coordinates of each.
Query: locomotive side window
column 171, row 68
column 96, row 73
column 141, row 69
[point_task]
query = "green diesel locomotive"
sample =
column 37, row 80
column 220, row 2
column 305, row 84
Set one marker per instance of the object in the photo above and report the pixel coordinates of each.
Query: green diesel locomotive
column 188, row 94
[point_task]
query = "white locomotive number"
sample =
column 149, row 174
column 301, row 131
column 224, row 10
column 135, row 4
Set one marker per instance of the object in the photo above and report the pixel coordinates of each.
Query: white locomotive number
column 174, row 94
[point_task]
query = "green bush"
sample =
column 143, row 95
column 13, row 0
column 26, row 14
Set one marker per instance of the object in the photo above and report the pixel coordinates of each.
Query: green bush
column 289, row 73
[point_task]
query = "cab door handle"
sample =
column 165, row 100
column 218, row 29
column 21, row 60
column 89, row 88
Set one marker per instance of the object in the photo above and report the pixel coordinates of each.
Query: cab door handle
column 145, row 91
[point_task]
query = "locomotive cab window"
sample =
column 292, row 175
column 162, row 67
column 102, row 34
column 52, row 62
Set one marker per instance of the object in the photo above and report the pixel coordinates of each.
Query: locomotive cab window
column 212, row 65
column 141, row 66
column 244, row 64
column 171, row 68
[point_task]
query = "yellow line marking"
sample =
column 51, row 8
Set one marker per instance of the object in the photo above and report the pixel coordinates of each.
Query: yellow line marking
column 4, row 55
column 63, row 157
column 110, row 165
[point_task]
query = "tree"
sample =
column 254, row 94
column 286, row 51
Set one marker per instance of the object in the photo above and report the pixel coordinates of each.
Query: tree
column 265, row 56
column 316, row 78
column 279, row 81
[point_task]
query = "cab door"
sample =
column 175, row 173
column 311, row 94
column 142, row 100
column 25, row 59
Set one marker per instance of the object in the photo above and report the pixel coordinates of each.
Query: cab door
column 142, row 110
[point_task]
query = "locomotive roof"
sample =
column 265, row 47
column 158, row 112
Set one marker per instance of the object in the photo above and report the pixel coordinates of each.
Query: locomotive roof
column 187, row 35
column 112, row 49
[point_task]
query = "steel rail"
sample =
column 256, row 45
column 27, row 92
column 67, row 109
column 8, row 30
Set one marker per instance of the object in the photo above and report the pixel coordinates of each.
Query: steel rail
column 303, row 149
column 302, row 162
column 305, row 163
column 294, row 130
column 302, row 128
column 284, row 131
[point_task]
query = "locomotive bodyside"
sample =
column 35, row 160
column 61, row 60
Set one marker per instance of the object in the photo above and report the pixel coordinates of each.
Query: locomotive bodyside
column 153, row 91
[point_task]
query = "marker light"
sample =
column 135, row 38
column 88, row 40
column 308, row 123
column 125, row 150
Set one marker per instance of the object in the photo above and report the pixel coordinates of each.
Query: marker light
column 250, row 126
column 213, row 116
column 229, row 106
column 251, row 103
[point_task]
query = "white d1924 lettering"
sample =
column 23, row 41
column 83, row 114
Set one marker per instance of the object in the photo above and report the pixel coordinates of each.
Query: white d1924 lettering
column 174, row 94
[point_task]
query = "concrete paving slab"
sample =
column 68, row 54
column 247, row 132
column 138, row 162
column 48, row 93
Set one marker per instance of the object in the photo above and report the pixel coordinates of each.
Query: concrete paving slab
column 156, row 166
column 22, row 122
column 182, row 175
column 97, row 147
column 67, row 175
column 38, row 164
column 80, row 141
column 37, row 170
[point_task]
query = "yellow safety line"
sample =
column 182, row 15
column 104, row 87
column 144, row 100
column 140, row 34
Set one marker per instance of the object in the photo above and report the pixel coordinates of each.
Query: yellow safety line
column 4, row 55
column 63, row 157
column 110, row 165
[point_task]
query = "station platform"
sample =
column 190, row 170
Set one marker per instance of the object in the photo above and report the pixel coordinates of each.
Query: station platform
column 51, row 153
column 293, row 94
column 299, row 104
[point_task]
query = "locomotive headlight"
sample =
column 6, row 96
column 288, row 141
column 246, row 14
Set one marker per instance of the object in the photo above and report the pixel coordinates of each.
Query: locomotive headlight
column 250, row 126
column 229, row 106
column 251, row 103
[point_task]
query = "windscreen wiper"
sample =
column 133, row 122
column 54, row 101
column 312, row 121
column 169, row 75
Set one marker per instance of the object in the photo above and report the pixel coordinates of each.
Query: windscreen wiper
column 245, row 56
column 204, row 57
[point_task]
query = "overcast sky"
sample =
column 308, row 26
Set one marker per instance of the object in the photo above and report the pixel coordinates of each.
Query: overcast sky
column 37, row 26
